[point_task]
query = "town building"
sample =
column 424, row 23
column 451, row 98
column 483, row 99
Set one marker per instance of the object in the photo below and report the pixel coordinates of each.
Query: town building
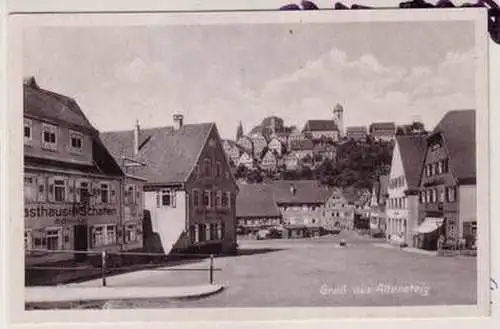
column 281, row 136
column 246, row 143
column 357, row 133
column 301, row 204
column 294, row 136
column 324, row 152
column 256, row 209
column 318, row 129
column 232, row 151
column 384, row 131
column 276, row 145
column 378, row 204
column 338, row 213
column 302, row 148
column 402, row 208
column 75, row 193
column 190, row 193
column 448, row 183
column 269, row 162
column 246, row 160
column 291, row 162
column 259, row 142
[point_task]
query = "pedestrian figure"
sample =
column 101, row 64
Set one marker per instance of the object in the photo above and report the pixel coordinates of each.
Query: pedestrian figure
column 343, row 243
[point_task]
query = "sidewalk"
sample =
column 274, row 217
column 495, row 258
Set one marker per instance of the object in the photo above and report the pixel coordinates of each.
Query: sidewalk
column 406, row 249
column 55, row 294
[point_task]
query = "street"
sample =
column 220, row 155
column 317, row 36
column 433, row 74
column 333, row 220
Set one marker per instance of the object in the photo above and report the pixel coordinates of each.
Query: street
column 317, row 272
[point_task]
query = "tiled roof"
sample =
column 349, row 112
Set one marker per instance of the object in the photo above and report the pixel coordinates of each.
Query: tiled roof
column 304, row 192
column 412, row 151
column 302, row 144
column 170, row 155
column 458, row 129
column 356, row 129
column 48, row 105
column 256, row 200
column 320, row 125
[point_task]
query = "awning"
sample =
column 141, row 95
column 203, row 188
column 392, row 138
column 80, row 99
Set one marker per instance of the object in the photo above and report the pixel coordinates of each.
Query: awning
column 429, row 225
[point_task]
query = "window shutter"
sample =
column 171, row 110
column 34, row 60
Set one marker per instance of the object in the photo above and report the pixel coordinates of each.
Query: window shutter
column 51, row 190
column 158, row 200
column 173, row 197
column 96, row 192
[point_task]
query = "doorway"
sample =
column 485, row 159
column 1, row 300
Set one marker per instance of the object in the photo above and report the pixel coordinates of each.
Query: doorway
column 81, row 241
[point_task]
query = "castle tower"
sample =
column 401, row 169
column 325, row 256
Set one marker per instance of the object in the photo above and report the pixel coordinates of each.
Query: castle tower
column 338, row 117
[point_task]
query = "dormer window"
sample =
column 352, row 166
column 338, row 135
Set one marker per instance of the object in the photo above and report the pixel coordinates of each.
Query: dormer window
column 75, row 141
column 49, row 137
column 28, row 131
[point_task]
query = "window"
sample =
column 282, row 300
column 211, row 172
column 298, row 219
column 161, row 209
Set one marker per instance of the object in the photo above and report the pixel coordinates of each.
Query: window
column 225, row 199
column 213, row 232
column 28, row 131
column 441, row 195
column 218, row 169
column 218, row 199
column 30, row 189
column 59, row 190
column 27, row 240
column 427, row 196
column 75, row 141
column 206, row 198
column 49, row 137
column 53, row 238
column 451, row 194
column 168, row 198
column 436, row 168
column 83, row 193
column 110, row 234
column 98, row 236
column 196, row 198
column 445, row 165
column 130, row 233
column 130, row 194
column 207, row 167
column 440, row 167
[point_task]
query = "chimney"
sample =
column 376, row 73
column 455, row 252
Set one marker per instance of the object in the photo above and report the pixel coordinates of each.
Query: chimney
column 178, row 121
column 136, row 138
column 293, row 190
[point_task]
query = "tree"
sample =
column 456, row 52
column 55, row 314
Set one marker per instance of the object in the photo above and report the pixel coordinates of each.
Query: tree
column 241, row 172
column 239, row 131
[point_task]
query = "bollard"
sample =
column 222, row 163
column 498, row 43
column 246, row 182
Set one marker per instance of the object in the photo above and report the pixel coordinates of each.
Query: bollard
column 103, row 268
column 211, row 269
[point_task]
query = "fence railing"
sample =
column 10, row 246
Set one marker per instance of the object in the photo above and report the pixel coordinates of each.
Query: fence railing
column 106, row 255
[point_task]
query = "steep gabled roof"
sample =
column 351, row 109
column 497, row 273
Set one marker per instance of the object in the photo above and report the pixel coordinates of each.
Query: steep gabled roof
column 412, row 151
column 51, row 106
column 170, row 155
column 320, row 125
column 256, row 200
column 458, row 129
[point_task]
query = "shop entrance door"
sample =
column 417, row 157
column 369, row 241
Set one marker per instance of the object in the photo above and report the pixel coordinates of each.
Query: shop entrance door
column 81, row 241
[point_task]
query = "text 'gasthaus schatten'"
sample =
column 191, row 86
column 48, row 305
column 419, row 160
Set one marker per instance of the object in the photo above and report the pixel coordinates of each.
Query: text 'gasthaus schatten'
column 43, row 211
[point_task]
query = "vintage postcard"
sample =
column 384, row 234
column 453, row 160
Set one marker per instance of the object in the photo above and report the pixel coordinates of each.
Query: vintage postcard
column 248, row 165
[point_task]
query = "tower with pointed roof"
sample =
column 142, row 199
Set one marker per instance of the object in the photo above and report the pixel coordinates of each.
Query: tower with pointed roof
column 338, row 117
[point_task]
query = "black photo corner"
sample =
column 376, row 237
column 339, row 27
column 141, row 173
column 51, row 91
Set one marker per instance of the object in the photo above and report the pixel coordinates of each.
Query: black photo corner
column 491, row 5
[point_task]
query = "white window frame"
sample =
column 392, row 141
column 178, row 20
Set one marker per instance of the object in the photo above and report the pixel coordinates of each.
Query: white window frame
column 52, row 129
column 111, row 228
column 79, row 189
column 105, row 186
column 130, row 232
column 171, row 193
column 28, row 123
column 59, row 236
column 218, row 199
column 93, row 237
column 64, row 186
column 75, row 134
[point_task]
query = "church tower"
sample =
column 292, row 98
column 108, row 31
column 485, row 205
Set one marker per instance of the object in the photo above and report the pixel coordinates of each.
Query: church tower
column 338, row 117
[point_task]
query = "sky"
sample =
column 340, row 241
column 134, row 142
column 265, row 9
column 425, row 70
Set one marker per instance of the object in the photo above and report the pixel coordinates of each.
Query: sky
column 383, row 71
